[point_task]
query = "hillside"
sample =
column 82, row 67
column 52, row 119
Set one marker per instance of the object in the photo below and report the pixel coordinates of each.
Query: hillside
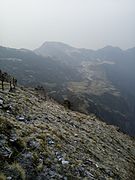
column 100, row 82
column 40, row 139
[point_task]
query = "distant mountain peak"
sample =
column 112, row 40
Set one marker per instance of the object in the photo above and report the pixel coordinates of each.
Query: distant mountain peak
column 24, row 49
column 55, row 44
column 109, row 47
column 53, row 49
column 131, row 49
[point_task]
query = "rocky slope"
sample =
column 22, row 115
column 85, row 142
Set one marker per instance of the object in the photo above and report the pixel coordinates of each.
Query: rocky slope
column 40, row 139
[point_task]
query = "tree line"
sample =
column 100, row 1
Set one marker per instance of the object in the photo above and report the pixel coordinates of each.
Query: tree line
column 5, row 77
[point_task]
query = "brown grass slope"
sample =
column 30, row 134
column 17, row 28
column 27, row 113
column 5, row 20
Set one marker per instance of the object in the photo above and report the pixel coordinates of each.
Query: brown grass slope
column 42, row 140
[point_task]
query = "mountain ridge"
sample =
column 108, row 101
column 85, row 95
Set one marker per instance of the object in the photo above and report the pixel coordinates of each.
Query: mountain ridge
column 51, row 43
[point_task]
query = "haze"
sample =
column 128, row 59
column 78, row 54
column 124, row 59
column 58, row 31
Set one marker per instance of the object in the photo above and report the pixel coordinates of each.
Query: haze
column 81, row 23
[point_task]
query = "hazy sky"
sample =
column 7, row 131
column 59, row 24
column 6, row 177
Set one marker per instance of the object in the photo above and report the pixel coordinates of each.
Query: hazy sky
column 80, row 23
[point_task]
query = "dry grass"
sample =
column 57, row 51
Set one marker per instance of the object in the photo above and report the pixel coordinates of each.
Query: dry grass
column 2, row 176
column 17, row 167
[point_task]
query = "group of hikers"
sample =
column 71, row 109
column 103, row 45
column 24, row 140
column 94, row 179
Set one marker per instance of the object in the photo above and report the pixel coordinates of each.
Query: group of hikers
column 6, row 78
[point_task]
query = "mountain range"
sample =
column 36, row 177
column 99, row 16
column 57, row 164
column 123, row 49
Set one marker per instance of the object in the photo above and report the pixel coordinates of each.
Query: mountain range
column 101, row 81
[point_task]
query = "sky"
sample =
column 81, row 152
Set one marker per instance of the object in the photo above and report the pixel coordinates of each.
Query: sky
column 89, row 24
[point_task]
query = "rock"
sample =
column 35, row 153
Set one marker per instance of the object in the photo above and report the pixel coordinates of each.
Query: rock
column 13, row 138
column 96, row 165
column 50, row 141
column 27, row 155
column 52, row 173
column 20, row 118
column 65, row 178
column 59, row 156
column 7, row 108
column 64, row 162
column 5, row 152
column 89, row 175
column 9, row 178
column 34, row 144
column 1, row 102
column 109, row 172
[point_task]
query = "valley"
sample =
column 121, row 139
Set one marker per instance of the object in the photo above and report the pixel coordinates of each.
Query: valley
column 100, row 82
